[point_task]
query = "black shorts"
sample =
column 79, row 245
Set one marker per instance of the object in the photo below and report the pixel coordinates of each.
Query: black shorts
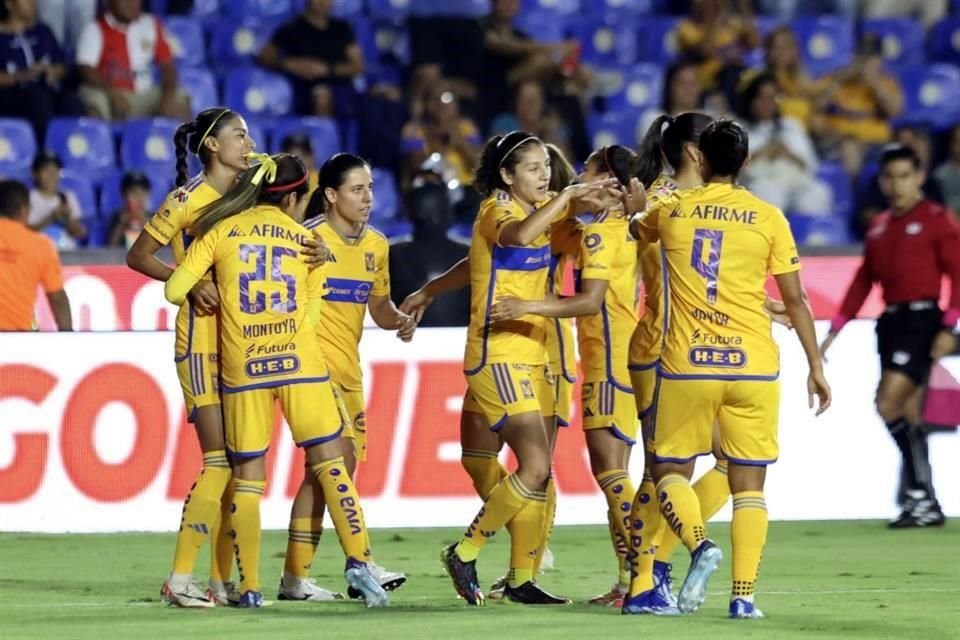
column 905, row 336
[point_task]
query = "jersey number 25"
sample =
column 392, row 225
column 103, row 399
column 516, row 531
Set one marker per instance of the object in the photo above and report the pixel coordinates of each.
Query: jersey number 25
column 258, row 302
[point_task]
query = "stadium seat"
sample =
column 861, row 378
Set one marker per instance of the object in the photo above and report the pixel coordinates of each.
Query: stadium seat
column 640, row 87
column 258, row 92
column 903, row 39
column 82, row 187
column 383, row 41
column 395, row 230
column 323, row 133
column 613, row 127
column 233, row 43
column 147, row 145
column 826, row 43
column 349, row 10
column 657, row 40
column 185, row 36
column 83, row 144
column 273, row 9
column 258, row 130
column 18, row 146
column 602, row 43
column 201, row 86
column 111, row 199
column 450, row 8
column 932, row 94
column 833, row 175
column 389, row 9
column 386, row 199
column 944, row 40
column 461, row 232
column 819, row 231
column 627, row 10
column 565, row 7
column 206, row 11
column 545, row 25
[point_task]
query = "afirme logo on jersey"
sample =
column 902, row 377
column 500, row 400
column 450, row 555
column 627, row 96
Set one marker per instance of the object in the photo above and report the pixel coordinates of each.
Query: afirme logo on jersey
column 273, row 366
column 714, row 357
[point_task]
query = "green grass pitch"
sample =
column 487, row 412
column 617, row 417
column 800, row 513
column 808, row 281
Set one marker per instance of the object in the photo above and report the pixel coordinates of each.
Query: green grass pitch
column 818, row 580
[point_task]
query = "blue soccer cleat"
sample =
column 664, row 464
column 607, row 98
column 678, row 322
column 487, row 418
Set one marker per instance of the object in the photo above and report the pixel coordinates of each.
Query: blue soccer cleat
column 662, row 582
column 705, row 560
column 650, row 603
column 251, row 600
column 741, row 609
column 361, row 580
column 464, row 576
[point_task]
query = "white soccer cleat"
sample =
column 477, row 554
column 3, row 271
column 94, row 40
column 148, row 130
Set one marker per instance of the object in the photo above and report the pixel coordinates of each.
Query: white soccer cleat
column 388, row 580
column 223, row 594
column 547, row 562
column 359, row 578
column 182, row 591
column 304, row 590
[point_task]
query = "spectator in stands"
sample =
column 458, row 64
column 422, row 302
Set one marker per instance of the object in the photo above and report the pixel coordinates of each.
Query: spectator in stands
column 531, row 113
column 783, row 161
column 915, row 136
column 67, row 18
column 299, row 144
column 27, row 260
column 858, row 102
column 927, row 11
column 682, row 91
column 718, row 40
column 444, row 131
column 54, row 210
column 129, row 220
column 32, row 68
column 319, row 53
column 948, row 174
column 783, row 62
column 116, row 57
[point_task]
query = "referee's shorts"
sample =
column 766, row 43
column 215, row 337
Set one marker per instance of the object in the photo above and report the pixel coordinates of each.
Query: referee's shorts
column 905, row 334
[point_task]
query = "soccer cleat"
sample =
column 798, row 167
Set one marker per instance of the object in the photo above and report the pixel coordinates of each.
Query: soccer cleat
column 223, row 594
column 184, row 592
column 612, row 598
column 919, row 513
column 741, row 609
column 531, row 593
column 304, row 590
column 251, row 600
column 463, row 574
column 497, row 589
column 651, row 603
column 662, row 581
column 548, row 562
column 358, row 577
column 388, row 580
column 704, row 561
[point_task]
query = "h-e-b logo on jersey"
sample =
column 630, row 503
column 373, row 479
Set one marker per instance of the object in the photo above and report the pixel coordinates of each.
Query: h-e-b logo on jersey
column 370, row 260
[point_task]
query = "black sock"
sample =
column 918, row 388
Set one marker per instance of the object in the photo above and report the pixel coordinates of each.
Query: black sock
column 901, row 432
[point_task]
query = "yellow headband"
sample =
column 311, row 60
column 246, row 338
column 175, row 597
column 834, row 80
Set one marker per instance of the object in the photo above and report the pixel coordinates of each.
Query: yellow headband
column 210, row 128
column 268, row 167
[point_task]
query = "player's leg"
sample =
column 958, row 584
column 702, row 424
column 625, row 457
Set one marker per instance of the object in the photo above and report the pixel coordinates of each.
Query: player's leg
column 479, row 448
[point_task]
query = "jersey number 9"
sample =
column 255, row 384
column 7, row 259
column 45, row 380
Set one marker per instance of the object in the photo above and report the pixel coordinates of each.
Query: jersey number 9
column 258, row 303
column 710, row 269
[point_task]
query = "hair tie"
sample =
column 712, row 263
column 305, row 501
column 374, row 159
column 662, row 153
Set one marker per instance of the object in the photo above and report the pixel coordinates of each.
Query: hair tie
column 267, row 167
column 288, row 186
column 210, row 128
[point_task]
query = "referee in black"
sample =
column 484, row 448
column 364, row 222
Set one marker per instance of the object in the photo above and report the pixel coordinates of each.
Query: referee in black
column 907, row 251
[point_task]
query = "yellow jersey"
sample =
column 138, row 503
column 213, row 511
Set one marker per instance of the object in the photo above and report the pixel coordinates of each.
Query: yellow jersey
column 564, row 246
column 267, row 336
column 496, row 272
column 357, row 269
column 608, row 252
column 720, row 242
column 170, row 225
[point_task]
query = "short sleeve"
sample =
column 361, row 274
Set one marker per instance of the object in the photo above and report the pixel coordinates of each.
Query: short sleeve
column 90, row 47
column 316, row 283
column 598, row 250
column 381, row 278
column 76, row 212
column 649, row 224
column 200, row 256
column 169, row 220
column 51, row 274
column 783, row 248
column 494, row 218
column 162, row 54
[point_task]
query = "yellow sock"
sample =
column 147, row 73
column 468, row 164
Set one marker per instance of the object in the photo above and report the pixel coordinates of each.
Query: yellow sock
column 246, row 531
column 343, row 504
column 712, row 490
column 548, row 518
column 681, row 510
column 303, row 536
column 619, row 491
column 484, row 469
column 526, row 537
column 504, row 503
column 620, row 549
column 646, row 532
column 748, row 532
column 221, row 552
column 201, row 510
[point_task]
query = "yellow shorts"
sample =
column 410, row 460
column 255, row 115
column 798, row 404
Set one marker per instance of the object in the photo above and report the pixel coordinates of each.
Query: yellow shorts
column 563, row 399
column 199, row 375
column 309, row 407
column 353, row 410
column 643, row 378
column 501, row 390
column 747, row 411
column 607, row 405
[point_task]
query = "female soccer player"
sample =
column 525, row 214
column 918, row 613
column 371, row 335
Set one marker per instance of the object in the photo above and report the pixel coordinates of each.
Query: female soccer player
column 506, row 362
column 218, row 137
column 357, row 280
column 270, row 351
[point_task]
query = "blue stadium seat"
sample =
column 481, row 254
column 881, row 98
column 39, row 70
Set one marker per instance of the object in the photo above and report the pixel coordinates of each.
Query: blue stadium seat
column 323, row 134
column 932, row 94
column 944, row 40
column 111, row 199
column 237, row 43
column 274, row 9
column 206, row 11
column 819, row 231
column 903, row 39
column 386, row 198
column 627, row 10
column 395, row 230
column 83, row 144
column 201, row 86
column 451, row 8
column 258, row 130
column 657, row 40
column 185, row 36
column 826, row 43
column 348, row 10
column 604, row 43
column 147, row 145
column 613, row 127
column 18, row 146
column 461, row 232
column 565, row 7
column 833, row 175
column 383, row 41
column 258, row 92
column 389, row 9
column 545, row 26
column 82, row 187
column 640, row 87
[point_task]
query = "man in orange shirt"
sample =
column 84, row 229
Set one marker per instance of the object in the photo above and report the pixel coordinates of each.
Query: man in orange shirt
column 27, row 259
